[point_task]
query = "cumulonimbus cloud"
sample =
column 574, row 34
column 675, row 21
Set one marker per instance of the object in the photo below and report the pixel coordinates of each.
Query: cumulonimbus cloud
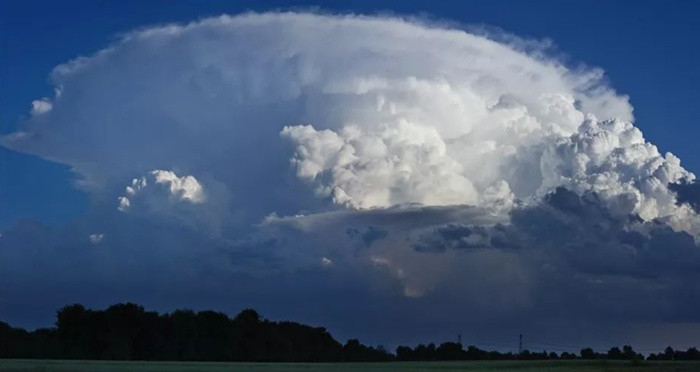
column 386, row 145
column 222, row 87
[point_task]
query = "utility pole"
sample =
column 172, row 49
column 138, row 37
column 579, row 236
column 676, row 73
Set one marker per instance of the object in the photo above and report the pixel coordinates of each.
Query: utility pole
column 459, row 339
column 520, row 344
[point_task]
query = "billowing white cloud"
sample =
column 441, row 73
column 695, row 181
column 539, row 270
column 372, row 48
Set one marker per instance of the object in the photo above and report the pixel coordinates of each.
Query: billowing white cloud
column 164, row 194
column 396, row 164
column 400, row 112
column 41, row 106
column 177, row 189
column 612, row 159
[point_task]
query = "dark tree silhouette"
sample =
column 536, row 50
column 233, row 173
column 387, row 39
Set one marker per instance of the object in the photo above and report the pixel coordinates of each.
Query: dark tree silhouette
column 670, row 354
column 129, row 332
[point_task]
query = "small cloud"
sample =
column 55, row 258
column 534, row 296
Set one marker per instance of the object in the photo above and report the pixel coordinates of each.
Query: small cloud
column 326, row 262
column 41, row 106
column 96, row 238
column 124, row 204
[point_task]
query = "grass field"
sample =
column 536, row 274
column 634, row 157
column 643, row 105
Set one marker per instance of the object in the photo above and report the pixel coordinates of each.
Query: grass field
column 13, row 365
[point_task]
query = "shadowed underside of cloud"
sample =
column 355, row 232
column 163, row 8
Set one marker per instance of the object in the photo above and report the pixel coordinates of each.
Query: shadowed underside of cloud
column 313, row 162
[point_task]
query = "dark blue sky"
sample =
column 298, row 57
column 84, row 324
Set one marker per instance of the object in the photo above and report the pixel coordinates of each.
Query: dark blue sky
column 649, row 50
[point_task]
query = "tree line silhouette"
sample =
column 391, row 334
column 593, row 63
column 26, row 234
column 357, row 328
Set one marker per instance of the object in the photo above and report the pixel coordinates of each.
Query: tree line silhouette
column 128, row 332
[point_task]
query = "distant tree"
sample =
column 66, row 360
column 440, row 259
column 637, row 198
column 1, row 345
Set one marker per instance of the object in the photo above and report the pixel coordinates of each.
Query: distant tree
column 449, row 351
column 14, row 342
column 354, row 351
column 614, row 353
column 430, row 351
column 669, row 353
column 588, row 353
column 692, row 354
column 474, row 353
column 247, row 317
column 404, row 353
column 628, row 353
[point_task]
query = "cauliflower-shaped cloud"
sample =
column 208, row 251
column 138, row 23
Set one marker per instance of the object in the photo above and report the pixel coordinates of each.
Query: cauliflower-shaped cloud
column 398, row 164
column 162, row 193
column 612, row 159
column 177, row 189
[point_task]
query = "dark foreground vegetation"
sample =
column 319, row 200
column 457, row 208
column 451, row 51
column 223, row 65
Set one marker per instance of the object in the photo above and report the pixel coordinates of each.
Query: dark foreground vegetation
column 128, row 332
